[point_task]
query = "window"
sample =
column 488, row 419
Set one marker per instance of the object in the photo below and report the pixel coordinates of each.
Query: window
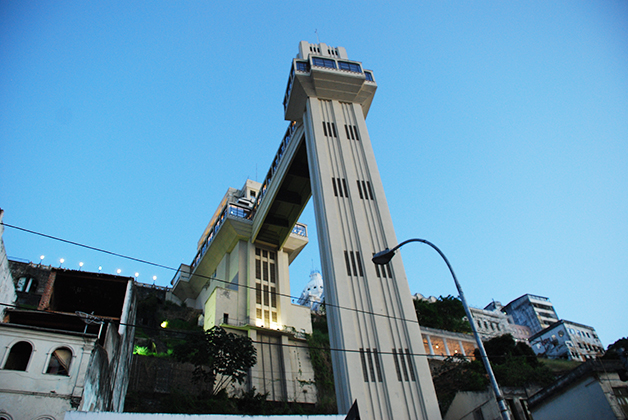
column 59, row 363
column 303, row 66
column 19, row 356
column 364, row 371
column 26, row 284
column 225, row 319
column 622, row 398
column 323, row 62
column 368, row 75
column 354, row 67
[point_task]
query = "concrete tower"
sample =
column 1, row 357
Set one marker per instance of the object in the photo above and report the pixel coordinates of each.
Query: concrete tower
column 382, row 364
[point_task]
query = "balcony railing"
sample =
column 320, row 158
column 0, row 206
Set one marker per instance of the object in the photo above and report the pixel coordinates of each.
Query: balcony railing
column 229, row 210
column 276, row 161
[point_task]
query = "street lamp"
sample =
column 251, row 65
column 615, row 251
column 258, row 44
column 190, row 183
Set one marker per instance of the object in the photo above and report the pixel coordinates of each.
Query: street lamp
column 384, row 257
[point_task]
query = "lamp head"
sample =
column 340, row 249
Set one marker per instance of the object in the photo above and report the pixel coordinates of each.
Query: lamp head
column 383, row 257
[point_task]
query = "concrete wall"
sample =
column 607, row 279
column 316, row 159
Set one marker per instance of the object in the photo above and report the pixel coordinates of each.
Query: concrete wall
column 584, row 401
column 33, row 393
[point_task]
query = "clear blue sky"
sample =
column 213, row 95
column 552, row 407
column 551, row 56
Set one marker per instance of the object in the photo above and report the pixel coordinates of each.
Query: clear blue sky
column 500, row 130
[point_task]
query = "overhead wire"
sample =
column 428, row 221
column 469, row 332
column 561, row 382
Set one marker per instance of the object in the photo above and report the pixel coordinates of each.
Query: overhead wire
column 209, row 278
column 226, row 282
column 192, row 332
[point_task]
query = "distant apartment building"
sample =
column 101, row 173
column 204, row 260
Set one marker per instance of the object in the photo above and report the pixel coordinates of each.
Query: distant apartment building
column 492, row 321
column 535, row 312
column 567, row 340
column 442, row 344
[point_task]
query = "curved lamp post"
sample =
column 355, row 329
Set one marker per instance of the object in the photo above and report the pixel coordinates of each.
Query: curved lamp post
column 383, row 257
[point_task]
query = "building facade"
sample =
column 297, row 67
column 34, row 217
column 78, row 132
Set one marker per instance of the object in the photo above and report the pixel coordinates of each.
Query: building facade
column 535, row 312
column 567, row 340
column 244, row 287
column 328, row 98
column 72, row 349
column 325, row 154
column 593, row 390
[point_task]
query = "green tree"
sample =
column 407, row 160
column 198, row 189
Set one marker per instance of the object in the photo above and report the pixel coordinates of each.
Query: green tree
column 447, row 313
column 219, row 357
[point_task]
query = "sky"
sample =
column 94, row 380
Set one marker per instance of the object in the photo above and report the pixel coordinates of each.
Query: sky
column 500, row 131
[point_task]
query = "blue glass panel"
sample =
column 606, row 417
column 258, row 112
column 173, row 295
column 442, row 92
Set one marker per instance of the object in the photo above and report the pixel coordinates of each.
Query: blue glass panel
column 323, row 62
column 303, row 66
column 349, row 66
column 369, row 76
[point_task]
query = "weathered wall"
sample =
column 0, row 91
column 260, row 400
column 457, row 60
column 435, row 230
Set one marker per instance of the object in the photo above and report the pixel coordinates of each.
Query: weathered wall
column 32, row 393
column 7, row 289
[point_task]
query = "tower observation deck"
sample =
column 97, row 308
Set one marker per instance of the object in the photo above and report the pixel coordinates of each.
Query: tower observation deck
column 327, row 154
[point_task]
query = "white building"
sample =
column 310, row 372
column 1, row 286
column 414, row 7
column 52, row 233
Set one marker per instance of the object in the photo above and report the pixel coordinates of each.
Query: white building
column 535, row 312
column 313, row 292
column 593, row 390
column 57, row 358
column 244, row 286
column 567, row 340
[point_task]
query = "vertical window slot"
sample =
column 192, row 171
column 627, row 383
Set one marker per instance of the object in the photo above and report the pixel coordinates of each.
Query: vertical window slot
column 333, row 182
column 377, row 269
column 377, row 365
column 347, row 131
column 410, row 368
column 351, row 130
column 356, row 133
column 360, row 189
column 389, row 271
column 403, row 365
column 344, row 184
column 266, row 296
column 357, row 257
column 333, row 127
column 348, row 263
column 364, row 371
column 368, row 184
column 355, row 271
column 329, row 129
column 339, row 187
column 371, row 368
column 366, row 194
column 394, row 352
column 324, row 129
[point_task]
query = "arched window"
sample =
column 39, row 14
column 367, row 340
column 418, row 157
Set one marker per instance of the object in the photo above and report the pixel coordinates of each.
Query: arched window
column 19, row 356
column 60, row 360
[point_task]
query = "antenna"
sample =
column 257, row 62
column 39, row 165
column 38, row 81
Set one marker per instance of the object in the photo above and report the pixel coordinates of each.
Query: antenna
column 316, row 32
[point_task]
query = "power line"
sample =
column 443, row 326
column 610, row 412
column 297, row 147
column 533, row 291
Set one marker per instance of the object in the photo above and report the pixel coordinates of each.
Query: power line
column 210, row 278
column 198, row 333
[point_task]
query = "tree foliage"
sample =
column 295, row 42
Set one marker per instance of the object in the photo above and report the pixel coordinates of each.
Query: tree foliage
column 613, row 350
column 514, row 363
column 219, row 357
column 447, row 313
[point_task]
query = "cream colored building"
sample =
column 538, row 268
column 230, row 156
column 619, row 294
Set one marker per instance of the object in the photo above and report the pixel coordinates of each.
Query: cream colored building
column 326, row 153
column 245, row 287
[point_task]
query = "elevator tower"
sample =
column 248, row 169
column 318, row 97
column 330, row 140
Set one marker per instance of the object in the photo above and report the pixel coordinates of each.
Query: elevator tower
column 370, row 312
